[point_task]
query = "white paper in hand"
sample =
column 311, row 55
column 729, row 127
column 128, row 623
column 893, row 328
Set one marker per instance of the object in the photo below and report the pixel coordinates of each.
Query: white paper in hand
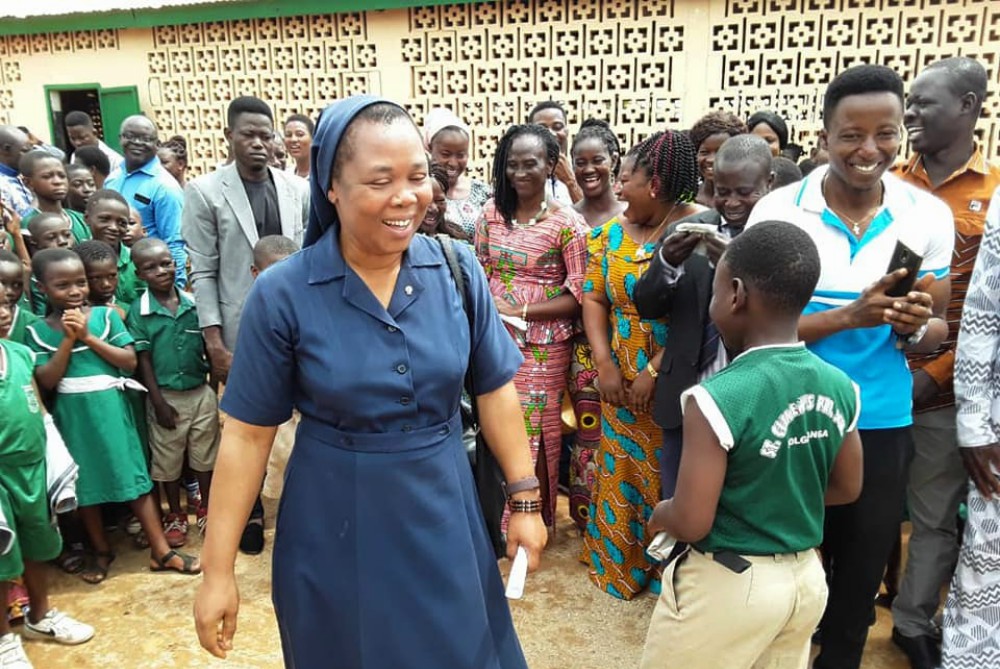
column 518, row 574
column 661, row 546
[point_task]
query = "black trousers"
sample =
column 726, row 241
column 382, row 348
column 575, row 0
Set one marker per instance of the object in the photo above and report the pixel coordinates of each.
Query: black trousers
column 857, row 541
column 670, row 461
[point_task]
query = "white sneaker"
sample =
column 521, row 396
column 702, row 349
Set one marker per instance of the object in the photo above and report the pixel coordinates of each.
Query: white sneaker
column 58, row 627
column 12, row 653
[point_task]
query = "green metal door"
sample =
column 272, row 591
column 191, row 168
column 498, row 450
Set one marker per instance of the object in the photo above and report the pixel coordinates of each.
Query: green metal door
column 117, row 104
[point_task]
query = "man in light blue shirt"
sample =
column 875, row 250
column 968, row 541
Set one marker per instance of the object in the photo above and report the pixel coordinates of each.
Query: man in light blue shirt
column 13, row 192
column 148, row 187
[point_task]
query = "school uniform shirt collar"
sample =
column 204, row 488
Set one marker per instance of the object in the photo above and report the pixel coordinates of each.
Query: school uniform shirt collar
column 326, row 260
column 124, row 256
column 790, row 345
column 149, row 305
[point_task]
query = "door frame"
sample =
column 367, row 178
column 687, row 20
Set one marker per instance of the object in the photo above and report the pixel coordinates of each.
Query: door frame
column 55, row 88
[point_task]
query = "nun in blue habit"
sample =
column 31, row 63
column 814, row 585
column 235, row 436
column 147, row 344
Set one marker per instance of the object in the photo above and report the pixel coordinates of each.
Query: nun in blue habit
column 381, row 557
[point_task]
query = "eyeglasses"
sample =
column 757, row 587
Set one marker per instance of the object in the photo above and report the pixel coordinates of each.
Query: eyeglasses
column 137, row 139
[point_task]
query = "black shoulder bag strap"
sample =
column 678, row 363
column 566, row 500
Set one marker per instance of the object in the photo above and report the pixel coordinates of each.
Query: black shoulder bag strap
column 490, row 483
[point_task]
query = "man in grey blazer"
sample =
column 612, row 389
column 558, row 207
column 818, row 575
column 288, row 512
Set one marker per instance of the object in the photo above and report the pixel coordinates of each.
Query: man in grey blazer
column 225, row 213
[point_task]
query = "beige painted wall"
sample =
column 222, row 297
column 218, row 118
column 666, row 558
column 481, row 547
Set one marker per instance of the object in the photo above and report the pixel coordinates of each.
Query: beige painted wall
column 640, row 64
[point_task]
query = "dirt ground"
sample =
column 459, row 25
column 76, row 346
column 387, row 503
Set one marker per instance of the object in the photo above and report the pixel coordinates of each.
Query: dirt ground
column 143, row 620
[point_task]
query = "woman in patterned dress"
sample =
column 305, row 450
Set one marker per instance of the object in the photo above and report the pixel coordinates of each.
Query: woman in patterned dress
column 534, row 253
column 658, row 182
column 596, row 157
column 447, row 139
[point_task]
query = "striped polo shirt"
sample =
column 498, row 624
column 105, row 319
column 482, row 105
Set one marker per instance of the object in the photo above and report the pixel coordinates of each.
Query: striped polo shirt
column 849, row 265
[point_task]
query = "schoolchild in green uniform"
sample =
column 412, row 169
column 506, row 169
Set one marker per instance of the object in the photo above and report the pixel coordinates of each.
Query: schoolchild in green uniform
column 183, row 411
column 48, row 231
column 24, row 505
column 81, row 187
column 768, row 442
column 12, row 292
column 45, row 175
column 108, row 219
column 84, row 355
column 101, row 265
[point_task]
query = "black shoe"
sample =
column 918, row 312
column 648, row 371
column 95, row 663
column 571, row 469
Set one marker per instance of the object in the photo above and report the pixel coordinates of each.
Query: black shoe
column 252, row 541
column 921, row 650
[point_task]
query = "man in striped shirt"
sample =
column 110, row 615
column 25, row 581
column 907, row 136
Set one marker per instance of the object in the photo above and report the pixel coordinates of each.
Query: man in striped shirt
column 942, row 108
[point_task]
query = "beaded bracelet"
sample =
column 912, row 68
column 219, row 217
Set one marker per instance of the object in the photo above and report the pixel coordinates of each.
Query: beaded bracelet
column 525, row 505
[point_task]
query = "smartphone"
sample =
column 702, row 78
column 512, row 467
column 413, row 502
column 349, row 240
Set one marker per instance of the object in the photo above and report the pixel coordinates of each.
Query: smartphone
column 904, row 256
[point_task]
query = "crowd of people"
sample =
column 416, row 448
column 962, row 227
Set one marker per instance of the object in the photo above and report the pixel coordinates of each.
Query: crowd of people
column 765, row 365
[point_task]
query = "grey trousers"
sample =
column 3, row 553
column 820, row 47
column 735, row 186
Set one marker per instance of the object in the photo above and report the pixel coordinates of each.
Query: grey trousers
column 937, row 486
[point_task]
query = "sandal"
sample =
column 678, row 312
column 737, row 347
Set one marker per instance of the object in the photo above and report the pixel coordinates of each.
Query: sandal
column 73, row 559
column 95, row 572
column 186, row 568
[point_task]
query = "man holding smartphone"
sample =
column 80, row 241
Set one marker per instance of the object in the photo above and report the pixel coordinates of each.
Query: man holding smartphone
column 856, row 214
column 942, row 108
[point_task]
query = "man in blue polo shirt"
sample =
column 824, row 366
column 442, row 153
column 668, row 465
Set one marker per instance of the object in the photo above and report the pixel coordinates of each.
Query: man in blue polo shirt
column 150, row 189
column 856, row 213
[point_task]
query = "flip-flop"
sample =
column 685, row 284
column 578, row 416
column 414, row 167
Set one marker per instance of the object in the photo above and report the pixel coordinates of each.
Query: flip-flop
column 94, row 573
column 187, row 560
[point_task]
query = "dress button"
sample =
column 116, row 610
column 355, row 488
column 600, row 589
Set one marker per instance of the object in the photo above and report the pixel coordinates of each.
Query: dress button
column 392, row 328
column 407, row 428
column 401, row 368
column 404, row 400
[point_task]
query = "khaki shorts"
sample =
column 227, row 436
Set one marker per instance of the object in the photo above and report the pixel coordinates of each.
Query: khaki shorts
column 197, row 433
column 26, row 508
column 284, row 440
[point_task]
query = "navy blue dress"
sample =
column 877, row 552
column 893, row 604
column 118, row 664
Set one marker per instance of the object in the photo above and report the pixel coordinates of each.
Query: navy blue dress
column 381, row 558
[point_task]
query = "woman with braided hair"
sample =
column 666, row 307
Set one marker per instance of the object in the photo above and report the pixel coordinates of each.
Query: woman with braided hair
column 707, row 135
column 174, row 156
column 535, row 255
column 596, row 158
column 658, row 183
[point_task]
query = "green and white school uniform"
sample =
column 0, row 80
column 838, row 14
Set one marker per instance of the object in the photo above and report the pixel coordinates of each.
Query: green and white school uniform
column 93, row 415
column 26, row 531
column 19, row 326
column 781, row 413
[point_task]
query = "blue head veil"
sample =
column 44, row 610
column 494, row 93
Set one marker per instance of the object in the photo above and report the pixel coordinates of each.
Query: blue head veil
column 333, row 122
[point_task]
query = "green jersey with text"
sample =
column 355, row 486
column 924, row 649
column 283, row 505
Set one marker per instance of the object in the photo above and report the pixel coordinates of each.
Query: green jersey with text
column 782, row 414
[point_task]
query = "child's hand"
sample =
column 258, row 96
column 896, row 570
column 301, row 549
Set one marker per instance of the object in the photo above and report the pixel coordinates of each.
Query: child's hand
column 75, row 324
column 166, row 415
column 654, row 526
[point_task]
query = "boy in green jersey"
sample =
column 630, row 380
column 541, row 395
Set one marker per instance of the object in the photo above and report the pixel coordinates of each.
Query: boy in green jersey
column 768, row 441
column 27, row 537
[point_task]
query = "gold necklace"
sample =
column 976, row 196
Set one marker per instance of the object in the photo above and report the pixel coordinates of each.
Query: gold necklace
column 641, row 253
column 855, row 224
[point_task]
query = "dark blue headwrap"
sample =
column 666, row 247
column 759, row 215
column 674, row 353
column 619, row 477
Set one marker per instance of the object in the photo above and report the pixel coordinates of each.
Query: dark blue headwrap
column 333, row 122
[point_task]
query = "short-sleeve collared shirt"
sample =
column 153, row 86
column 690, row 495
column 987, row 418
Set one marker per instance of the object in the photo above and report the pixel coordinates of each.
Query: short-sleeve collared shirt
column 173, row 341
column 159, row 200
column 967, row 192
column 14, row 192
column 849, row 265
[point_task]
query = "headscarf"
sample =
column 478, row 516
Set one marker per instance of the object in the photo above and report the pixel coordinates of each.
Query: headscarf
column 437, row 120
column 330, row 129
column 776, row 123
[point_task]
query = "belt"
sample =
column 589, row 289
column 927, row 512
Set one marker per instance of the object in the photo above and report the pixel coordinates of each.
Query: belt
column 738, row 564
column 97, row 383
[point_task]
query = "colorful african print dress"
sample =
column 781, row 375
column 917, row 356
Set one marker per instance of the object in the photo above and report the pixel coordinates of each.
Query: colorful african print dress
column 531, row 264
column 627, row 480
